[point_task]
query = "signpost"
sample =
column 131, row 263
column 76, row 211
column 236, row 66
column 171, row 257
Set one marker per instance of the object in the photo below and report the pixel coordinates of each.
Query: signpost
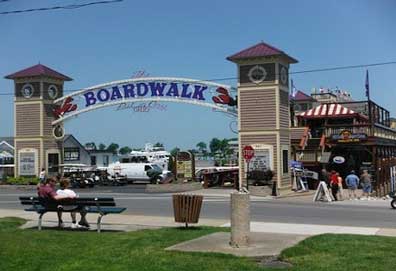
column 248, row 154
column 185, row 166
column 240, row 207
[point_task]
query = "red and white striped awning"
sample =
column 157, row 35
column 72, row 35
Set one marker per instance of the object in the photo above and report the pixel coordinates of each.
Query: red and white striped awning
column 328, row 110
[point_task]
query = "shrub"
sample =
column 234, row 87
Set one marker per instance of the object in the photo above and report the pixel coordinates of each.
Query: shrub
column 3, row 178
column 261, row 177
column 23, row 180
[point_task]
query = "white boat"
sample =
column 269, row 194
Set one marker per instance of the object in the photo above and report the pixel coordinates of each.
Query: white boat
column 153, row 155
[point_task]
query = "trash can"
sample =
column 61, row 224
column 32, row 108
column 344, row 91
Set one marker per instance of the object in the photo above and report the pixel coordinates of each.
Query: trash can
column 187, row 208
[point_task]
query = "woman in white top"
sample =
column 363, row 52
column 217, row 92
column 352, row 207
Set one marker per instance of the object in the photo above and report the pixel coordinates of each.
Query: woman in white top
column 64, row 191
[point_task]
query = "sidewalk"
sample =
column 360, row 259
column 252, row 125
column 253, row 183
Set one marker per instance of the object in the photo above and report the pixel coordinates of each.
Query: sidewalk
column 132, row 222
column 109, row 222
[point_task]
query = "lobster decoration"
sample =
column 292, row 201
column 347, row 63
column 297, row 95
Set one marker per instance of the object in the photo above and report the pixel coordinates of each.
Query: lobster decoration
column 66, row 107
column 224, row 97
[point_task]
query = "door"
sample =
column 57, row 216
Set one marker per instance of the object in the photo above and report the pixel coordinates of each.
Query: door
column 93, row 160
column 53, row 163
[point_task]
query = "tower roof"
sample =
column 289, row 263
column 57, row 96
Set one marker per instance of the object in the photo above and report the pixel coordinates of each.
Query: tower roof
column 38, row 70
column 260, row 50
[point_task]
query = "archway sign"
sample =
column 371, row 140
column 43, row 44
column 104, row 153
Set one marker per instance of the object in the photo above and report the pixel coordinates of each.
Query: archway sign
column 164, row 89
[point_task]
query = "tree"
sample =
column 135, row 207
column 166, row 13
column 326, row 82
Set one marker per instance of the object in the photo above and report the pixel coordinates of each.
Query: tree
column 174, row 151
column 158, row 144
column 113, row 147
column 202, row 147
column 102, row 146
column 193, row 151
column 214, row 145
column 224, row 148
column 125, row 150
column 90, row 146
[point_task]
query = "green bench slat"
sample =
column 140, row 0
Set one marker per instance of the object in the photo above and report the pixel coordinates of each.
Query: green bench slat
column 81, row 198
column 77, row 201
column 93, row 209
column 106, row 210
column 90, row 203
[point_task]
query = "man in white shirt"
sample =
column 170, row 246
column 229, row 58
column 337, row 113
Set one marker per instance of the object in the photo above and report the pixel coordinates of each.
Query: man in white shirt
column 64, row 191
column 42, row 175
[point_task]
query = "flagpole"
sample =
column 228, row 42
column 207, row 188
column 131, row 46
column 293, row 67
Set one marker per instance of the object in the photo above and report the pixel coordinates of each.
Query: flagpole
column 367, row 86
column 292, row 102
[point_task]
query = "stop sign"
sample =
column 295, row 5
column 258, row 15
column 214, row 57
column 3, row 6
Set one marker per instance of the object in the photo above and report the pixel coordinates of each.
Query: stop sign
column 248, row 152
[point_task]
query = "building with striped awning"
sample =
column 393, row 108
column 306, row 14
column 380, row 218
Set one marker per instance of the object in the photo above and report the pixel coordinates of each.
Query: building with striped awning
column 345, row 136
column 330, row 111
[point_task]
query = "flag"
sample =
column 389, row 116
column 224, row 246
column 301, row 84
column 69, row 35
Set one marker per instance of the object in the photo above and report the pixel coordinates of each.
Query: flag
column 367, row 86
column 294, row 90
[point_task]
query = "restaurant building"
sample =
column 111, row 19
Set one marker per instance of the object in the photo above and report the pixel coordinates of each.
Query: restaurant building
column 346, row 135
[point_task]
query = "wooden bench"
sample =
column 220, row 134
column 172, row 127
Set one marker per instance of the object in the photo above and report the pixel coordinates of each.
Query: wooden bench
column 101, row 206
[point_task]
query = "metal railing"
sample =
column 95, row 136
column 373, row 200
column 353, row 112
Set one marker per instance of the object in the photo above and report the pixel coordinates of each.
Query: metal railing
column 376, row 130
column 354, row 129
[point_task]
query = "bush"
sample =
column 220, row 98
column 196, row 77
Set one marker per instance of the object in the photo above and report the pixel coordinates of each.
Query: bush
column 260, row 177
column 23, row 180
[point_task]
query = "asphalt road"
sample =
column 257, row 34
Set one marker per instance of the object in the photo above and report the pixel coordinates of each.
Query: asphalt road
column 264, row 210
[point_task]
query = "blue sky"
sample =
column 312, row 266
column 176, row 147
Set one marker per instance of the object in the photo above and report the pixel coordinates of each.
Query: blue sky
column 192, row 39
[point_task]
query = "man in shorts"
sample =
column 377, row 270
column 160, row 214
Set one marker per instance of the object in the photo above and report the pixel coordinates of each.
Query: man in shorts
column 365, row 178
column 48, row 196
column 352, row 181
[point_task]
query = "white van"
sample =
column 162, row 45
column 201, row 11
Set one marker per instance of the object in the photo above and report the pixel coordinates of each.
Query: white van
column 136, row 171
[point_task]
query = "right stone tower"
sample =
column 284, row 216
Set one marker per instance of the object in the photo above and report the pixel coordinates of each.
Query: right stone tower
column 263, row 106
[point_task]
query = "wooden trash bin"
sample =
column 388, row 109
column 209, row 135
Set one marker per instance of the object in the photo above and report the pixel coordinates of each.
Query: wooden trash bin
column 187, row 208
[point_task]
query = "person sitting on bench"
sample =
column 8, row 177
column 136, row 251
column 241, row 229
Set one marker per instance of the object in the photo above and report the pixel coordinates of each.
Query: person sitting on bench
column 64, row 191
column 48, row 197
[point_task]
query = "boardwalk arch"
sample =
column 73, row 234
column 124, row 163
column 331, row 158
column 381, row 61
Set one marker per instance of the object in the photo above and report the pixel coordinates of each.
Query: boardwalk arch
column 157, row 89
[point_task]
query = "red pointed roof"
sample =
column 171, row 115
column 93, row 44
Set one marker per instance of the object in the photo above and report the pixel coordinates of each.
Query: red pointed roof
column 301, row 96
column 259, row 50
column 38, row 70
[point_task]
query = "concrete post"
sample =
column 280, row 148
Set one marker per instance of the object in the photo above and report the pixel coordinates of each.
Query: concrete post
column 240, row 219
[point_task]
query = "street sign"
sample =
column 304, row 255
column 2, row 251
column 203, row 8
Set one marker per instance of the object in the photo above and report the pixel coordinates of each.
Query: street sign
column 248, row 152
column 295, row 164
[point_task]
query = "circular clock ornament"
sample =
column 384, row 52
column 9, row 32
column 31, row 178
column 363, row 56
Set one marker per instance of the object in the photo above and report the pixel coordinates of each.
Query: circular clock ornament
column 283, row 75
column 58, row 132
column 27, row 91
column 52, row 91
column 257, row 74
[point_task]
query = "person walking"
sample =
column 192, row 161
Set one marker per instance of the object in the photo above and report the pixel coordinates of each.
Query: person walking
column 366, row 178
column 334, row 184
column 340, row 188
column 42, row 176
column 352, row 182
column 324, row 177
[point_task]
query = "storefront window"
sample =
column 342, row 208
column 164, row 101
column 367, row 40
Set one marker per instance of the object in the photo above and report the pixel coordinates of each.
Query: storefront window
column 72, row 154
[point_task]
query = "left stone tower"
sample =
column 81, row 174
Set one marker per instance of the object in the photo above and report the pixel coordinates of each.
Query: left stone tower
column 36, row 146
